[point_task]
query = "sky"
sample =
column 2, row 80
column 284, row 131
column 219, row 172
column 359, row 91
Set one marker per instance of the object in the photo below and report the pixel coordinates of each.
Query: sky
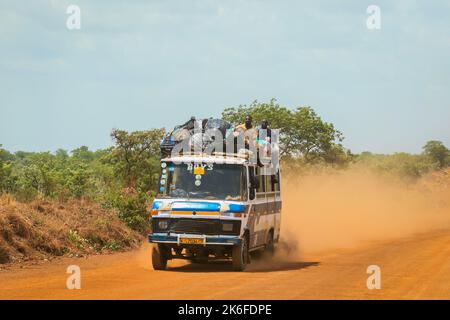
column 137, row 65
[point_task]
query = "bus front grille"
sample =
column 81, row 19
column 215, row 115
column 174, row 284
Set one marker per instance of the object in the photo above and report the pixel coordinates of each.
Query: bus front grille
column 197, row 226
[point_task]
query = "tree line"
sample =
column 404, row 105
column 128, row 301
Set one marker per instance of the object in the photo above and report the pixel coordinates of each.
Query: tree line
column 125, row 176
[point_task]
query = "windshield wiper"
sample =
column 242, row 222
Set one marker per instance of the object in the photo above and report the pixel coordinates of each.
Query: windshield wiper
column 211, row 198
column 202, row 194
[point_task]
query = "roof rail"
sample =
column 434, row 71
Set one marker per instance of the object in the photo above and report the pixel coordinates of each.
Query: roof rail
column 244, row 155
column 241, row 155
column 214, row 153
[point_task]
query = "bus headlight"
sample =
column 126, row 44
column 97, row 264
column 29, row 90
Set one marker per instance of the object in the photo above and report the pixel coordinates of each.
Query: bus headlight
column 163, row 224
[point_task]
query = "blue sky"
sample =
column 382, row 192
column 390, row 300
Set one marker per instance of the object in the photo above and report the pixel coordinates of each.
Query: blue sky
column 141, row 64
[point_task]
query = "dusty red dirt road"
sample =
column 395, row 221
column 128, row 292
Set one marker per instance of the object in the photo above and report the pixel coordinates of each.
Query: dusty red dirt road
column 321, row 214
column 416, row 267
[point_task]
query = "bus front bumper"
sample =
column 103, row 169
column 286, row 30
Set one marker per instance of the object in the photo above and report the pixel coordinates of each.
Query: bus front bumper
column 208, row 240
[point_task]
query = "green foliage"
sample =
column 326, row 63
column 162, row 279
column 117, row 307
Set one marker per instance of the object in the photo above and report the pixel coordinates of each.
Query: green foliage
column 132, row 209
column 112, row 245
column 5, row 168
column 438, row 153
column 5, row 155
column 302, row 132
column 136, row 156
column 123, row 177
column 404, row 165
column 74, row 237
column 77, row 180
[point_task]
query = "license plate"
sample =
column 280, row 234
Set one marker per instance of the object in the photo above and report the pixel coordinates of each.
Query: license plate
column 192, row 240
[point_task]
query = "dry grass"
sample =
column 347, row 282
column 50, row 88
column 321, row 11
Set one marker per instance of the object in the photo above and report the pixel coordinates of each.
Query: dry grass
column 44, row 229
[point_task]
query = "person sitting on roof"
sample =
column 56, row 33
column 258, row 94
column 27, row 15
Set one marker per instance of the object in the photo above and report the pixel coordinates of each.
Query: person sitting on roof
column 265, row 133
column 247, row 129
column 264, row 138
column 247, row 125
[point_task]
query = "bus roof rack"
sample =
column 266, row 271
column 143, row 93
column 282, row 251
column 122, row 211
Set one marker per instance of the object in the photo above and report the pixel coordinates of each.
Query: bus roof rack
column 263, row 161
column 240, row 155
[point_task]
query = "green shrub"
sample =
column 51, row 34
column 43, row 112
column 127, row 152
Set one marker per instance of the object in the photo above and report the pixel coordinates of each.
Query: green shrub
column 112, row 245
column 404, row 165
column 77, row 239
column 132, row 208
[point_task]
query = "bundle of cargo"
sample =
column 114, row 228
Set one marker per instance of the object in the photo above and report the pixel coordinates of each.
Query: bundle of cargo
column 200, row 132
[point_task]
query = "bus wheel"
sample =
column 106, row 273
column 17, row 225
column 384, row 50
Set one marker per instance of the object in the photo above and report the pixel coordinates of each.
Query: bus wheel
column 159, row 257
column 240, row 256
column 270, row 246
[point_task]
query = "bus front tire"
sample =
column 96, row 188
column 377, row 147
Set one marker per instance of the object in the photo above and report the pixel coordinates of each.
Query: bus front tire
column 240, row 256
column 159, row 257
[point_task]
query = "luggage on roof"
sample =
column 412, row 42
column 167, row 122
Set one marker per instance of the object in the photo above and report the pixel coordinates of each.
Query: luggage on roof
column 201, row 133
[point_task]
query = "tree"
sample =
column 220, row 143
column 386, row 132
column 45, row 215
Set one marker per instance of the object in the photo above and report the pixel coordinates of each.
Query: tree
column 83, row 153
column 5, row 155
column 77, row 179
column 302, row 131
column 62, row 155
column 437, row 151
column 136, row 159
column 37, row 171
column 134, row 155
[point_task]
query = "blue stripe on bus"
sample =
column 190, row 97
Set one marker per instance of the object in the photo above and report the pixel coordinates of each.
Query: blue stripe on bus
column 195, row 206
column 201, row 206
column 237, row 208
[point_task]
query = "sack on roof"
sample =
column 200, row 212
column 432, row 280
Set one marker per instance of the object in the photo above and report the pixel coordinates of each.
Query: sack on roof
column 191, row 129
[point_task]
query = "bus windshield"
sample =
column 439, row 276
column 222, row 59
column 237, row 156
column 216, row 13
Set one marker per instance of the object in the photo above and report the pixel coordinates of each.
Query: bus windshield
column 209, row 181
